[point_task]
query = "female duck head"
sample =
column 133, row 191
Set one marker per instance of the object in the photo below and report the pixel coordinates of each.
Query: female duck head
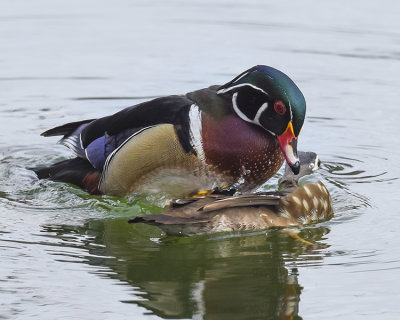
column 309, row 163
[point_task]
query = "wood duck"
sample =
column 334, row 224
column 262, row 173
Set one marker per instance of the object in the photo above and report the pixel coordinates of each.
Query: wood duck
column 235, row 134
column 291, row 206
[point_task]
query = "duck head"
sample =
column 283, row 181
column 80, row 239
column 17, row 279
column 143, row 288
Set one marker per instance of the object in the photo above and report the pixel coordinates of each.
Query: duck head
column 268, row 98
column 309, row 163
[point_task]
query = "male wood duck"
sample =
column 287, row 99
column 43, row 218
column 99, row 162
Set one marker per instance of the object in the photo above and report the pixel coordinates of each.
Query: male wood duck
column 235, row 134
column 291, row 206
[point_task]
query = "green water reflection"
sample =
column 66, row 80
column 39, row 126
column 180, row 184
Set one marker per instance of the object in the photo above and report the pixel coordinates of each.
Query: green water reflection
column 251, row 276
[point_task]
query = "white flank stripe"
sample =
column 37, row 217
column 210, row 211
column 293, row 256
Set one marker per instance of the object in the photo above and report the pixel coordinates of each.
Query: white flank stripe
column 111, row 155
column 196, row 138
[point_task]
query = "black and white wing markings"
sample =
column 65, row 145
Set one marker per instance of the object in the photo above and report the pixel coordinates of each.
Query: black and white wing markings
column 160, row 110
column 123, row 125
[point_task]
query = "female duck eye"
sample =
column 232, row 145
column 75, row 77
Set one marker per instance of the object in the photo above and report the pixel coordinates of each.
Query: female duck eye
column 279, row 107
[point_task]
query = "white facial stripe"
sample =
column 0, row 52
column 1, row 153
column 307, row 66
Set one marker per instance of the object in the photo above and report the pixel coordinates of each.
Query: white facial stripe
column 244, row 74
column 263, row 107
column 196, row 139
column 242, row 85
column 245, row 118
column 259, row 112
column 237, row 110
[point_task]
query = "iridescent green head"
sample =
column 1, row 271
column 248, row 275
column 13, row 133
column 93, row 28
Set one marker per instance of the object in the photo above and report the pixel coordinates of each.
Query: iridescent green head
column 268, row 98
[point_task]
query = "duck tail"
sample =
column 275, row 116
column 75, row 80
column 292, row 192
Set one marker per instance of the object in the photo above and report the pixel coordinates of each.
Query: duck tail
column 65, row 130
column 77, row 171
column 71, row 133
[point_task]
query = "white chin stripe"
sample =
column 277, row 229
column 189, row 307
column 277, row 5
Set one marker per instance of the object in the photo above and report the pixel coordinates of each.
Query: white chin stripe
column 196, row 139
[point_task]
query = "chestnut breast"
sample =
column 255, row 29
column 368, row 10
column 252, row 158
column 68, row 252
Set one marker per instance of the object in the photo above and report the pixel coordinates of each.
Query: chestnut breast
column 239, row 149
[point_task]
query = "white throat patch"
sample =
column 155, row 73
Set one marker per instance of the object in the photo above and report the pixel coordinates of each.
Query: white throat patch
column 196, row 139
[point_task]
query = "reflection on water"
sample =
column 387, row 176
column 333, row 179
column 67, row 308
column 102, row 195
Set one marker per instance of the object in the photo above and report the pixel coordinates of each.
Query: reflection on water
column 183, row 277
column 219, row 276
column 222, row 276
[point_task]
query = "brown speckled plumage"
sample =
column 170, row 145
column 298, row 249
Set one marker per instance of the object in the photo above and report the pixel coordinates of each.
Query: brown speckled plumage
column 237, row 149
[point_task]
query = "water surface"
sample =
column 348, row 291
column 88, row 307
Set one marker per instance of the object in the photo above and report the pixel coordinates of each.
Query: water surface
column 67, row 254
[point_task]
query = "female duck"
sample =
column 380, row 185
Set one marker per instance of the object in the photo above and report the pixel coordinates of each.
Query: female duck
column 291, row 206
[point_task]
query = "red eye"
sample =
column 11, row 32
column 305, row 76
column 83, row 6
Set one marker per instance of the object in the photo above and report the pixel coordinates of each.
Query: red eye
column 279, row 107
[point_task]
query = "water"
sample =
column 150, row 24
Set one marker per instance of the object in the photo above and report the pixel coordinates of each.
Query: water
column 66, row 254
